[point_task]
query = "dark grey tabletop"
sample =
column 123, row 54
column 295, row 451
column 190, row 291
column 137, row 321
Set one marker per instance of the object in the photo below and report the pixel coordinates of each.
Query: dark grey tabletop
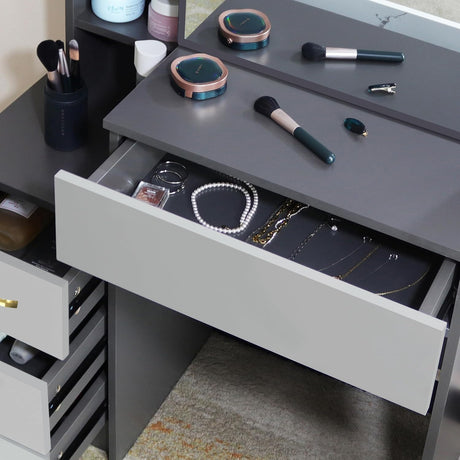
column 27, row 164
column 400, row 180
column 426, row 80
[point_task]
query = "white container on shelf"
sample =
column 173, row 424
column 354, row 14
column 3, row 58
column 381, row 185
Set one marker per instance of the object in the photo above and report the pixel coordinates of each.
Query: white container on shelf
column 118, row 10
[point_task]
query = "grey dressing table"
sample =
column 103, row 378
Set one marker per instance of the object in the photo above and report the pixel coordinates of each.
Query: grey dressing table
column 402, row 182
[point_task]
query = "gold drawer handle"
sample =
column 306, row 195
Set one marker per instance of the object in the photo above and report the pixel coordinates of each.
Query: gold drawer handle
column 7, row 303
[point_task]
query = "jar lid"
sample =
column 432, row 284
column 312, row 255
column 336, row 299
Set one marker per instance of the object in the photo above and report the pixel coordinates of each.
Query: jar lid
column 166, row 7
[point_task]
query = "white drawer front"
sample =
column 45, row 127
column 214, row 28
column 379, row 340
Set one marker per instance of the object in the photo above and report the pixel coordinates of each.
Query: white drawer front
column 21, row 394
column 41, row 315
column 321, row 322
column 78, row 427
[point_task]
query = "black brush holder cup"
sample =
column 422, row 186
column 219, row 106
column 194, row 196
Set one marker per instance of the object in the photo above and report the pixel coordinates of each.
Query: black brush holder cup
column 66, row 118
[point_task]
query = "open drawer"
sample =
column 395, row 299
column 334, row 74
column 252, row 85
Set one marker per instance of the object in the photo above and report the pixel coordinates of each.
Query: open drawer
column 332, row 326
column 40, row 296
column 38, row 397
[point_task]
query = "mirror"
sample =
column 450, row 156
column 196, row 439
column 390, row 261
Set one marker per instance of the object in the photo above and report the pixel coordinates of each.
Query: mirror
column 361, row 24
column 415, row 18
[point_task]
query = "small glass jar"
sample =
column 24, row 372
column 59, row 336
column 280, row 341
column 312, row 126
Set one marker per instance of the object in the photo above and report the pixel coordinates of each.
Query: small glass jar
column 118, row 10
column 163, row 19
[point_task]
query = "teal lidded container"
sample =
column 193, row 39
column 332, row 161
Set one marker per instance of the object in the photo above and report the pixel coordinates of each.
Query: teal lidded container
column 198, row 76
column 244, row 29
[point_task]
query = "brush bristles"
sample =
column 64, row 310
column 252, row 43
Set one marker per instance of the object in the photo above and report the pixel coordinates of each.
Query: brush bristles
column 74, row 52
column 313, row 51
column 266, row 105
column 48, row 53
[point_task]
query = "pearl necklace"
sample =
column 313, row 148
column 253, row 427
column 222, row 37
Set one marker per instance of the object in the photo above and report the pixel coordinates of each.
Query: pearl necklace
column 248, row 212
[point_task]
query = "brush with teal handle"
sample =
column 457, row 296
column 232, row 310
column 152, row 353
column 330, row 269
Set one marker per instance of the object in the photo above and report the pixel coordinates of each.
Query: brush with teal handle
column 315, row 52
column 268, row 106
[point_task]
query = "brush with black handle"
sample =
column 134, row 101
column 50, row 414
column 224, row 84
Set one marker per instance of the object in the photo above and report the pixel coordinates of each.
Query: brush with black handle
column 315, row 52
column 74, row 56
column 48, row 53
column 268, row 106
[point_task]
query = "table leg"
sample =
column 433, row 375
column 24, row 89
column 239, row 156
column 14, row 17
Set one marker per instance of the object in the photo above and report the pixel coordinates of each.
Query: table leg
column 150, row 347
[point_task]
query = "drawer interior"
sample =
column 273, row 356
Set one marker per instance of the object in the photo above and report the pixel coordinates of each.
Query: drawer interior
column 41, row 252
column 36, row 367
column 357, row 255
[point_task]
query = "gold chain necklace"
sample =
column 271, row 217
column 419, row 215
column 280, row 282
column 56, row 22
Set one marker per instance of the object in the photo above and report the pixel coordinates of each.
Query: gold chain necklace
column 394, row 291
column 342, row 276
column 307, row 239
column 276, row 222
column 393, row 257
column 352, row 269
column 365, row 240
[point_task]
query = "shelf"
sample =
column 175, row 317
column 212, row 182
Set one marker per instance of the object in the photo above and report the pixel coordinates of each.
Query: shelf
column 126, row 33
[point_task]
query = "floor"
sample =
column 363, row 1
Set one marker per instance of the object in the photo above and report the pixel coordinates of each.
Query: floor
column 239, row 401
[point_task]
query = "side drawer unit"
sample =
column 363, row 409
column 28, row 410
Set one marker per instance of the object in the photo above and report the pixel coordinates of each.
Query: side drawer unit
column 40, row 397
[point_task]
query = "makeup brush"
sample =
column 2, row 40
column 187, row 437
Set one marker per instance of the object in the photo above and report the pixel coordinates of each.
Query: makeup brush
column 268, row 106
column 315, row 52
column 48, row 53
column 64, row 68
column 74, row 56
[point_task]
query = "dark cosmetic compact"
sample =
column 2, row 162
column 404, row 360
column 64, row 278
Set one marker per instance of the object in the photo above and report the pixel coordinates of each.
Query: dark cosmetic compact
column 199, row 76
column 244, row 29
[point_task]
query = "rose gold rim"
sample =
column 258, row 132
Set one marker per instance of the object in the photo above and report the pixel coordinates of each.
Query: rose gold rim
column 191, row 88
column 250, row 38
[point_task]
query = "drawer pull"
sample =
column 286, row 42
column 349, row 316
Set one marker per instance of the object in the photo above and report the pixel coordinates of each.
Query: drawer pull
column 8, row 303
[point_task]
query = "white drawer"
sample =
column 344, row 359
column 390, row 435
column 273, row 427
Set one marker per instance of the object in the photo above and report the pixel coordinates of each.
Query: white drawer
column 35, row 397
column 34, row 303
column 336, row 328
column 77, row 432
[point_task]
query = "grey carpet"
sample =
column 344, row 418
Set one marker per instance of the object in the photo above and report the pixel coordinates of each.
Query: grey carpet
column 237, row 401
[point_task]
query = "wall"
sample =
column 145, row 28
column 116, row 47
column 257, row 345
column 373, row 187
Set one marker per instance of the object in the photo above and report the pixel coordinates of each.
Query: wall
column 23, row 25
